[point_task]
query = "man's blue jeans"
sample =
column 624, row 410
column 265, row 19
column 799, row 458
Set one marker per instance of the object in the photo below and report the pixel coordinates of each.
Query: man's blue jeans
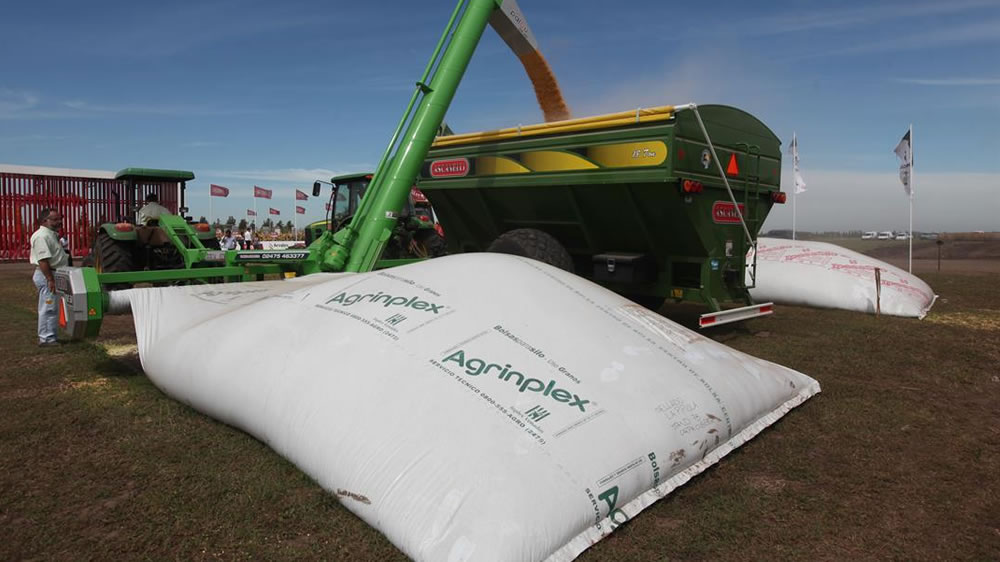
column 47, row 315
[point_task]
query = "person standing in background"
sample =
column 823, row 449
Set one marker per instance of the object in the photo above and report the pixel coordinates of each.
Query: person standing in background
column 64, row 242
column 228, row 241
column 48, row 255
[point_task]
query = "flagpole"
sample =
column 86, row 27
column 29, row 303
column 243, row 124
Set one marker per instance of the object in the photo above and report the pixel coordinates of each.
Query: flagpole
column 795, row 188
column 910, row 261
column 210, row 206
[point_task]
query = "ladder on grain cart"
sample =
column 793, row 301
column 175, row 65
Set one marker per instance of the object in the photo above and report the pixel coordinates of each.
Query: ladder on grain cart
column 752, row 154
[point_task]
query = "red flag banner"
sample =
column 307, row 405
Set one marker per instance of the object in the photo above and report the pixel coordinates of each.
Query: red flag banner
column 274, row 211
column 300, row 210
column 251, row 213
column 218, row 191
column 301, row 195
column 261, row 192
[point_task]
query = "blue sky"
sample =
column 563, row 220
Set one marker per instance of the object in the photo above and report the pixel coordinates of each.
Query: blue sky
column 279, row 94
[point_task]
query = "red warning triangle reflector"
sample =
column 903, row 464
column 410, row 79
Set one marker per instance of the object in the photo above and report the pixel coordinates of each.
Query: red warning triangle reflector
column 732, row 169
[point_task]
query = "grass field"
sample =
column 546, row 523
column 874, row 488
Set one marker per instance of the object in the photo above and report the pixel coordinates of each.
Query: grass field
column 897, row 458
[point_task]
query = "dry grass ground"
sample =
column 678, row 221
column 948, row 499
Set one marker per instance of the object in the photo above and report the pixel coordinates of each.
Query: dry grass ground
column 897, row 458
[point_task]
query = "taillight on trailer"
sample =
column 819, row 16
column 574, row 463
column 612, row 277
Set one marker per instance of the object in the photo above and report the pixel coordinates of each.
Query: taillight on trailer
column 779, row 196
column 691, row 186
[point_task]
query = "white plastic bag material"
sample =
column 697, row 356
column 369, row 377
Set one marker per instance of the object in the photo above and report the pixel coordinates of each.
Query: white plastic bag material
column 825, row 275
column 471, row 407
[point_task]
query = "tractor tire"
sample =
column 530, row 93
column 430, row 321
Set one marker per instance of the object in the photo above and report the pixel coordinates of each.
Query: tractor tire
column 647, row 301
column 534, row 244
column 428, row 244
column 112, row 256
column 166, row 257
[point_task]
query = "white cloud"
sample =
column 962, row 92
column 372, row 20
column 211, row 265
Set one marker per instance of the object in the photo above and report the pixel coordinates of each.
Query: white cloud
column 950, row 81
column 851, row 17
column 288, row 175
column 200, row 144
column 150, row 109
column 981, row 31
column 33, row 138
column 711, row 77
column 839, row 200
column 14, row 103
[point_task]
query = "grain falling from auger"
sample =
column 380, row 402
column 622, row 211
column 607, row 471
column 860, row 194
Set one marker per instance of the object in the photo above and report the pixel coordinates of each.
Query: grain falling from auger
column 547, row 90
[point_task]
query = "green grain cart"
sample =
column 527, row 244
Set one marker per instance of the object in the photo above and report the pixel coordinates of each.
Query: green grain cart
column 643, row 202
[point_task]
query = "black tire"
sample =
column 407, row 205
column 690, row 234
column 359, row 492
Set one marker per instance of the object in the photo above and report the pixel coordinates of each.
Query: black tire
column 534, row 244
column 647, row 301
column 428, row 244
column 166, row 257
column 113, row 256
column 211, row 243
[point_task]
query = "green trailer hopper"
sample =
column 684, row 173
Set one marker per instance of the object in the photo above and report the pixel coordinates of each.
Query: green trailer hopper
column 638, row 199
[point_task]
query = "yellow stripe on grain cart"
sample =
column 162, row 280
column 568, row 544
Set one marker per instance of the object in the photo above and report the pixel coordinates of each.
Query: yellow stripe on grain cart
column 629, row 154
column 652, row 114
column 555, row 161
column 497, row 165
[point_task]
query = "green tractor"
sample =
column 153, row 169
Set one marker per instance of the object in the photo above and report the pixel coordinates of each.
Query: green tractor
column 415, row 235
column 158, row 244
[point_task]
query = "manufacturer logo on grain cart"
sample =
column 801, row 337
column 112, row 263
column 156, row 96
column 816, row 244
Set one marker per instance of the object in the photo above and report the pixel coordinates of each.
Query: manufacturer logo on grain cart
column 723, row 212
column 452, row 168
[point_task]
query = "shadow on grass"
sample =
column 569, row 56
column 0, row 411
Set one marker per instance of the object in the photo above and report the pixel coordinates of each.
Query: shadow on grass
column 118, row 366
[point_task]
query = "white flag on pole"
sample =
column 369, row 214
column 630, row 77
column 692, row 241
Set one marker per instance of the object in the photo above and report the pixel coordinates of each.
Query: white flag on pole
column 793, row 149
column 904, row 152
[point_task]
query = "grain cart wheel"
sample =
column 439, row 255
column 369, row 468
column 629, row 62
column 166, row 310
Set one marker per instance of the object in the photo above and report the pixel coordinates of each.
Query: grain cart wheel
column 646, row 301
column 428, row 244
column 534, row 244
column 113, row 256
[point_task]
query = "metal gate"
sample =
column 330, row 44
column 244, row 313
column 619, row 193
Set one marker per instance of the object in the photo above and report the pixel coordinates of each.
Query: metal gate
column 85, row 203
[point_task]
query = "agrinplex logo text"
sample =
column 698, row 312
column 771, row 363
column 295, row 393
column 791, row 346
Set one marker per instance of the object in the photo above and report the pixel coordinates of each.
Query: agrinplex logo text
column 385, row 300
column 475, row 367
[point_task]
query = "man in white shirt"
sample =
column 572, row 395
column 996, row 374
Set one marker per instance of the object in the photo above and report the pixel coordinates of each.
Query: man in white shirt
column 151, row 210
column 48, row 254
column 228, row 241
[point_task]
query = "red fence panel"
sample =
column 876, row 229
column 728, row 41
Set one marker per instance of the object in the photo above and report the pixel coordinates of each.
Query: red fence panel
column 84, row 203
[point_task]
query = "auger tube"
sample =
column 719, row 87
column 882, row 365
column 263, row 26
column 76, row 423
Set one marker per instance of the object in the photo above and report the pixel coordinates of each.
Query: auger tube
column 366, row 237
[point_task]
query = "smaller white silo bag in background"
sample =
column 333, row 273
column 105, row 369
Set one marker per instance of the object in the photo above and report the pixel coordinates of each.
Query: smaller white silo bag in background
column 825, row 275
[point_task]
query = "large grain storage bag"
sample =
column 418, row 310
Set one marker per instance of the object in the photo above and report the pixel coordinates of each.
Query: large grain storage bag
column 829, row 276
column 472, row 407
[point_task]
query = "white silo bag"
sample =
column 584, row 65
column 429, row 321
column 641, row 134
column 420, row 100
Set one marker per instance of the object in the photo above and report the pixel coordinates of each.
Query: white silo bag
column 471, row 407
column 825, row 275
